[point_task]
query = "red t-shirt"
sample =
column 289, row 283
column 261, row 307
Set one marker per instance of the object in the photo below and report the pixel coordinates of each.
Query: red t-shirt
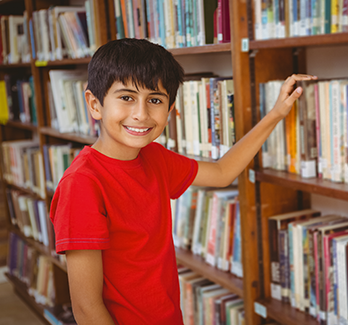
column 123, row 209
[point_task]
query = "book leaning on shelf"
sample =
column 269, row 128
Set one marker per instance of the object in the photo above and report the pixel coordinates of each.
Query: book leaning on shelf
column 68, row 109
column 63, row 32
column 315, row 135
column 57, row 158
column 36, row 272
column 207, row 222
column 23, row 165
column 17, row 95
column 299, row 18
column 205, row 117
column 14, row 39
column 311, row 262
column 204, row 302
column 174, row 24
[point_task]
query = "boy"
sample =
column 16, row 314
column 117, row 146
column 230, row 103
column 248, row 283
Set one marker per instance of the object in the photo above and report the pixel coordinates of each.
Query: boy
column 111, row 210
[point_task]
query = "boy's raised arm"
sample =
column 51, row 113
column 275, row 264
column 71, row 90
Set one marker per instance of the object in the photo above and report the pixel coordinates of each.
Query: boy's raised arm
column 85, row 274
column 226, row 169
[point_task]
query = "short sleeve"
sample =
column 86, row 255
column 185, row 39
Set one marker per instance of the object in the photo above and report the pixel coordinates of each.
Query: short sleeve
column 78, row 215
column 182, row 172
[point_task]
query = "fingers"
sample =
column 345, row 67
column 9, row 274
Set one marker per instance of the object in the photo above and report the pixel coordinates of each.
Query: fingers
column 294, row 95
column 297, row 77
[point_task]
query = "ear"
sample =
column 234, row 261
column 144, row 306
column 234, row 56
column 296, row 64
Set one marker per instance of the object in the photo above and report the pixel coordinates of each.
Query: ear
column 171, row 107
column 93, row 105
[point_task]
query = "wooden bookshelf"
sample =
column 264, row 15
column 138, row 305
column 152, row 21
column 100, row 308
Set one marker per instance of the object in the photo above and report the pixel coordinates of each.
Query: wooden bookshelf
column 22, row 290
column 311, row 185
column 204, row 49
column 20, row 125
column 302, row 41
column 285, row 314
column 67, row 136
column 64, row 62
column 25, row 190
column 197, row 264
column 15, row 66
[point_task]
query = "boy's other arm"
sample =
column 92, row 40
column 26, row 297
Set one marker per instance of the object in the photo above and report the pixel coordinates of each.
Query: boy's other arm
column 226, row 169
column 85, row 274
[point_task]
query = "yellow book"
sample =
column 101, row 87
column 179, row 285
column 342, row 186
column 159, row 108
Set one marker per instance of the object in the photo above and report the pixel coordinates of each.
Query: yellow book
column 3, row 103
column 334, row 16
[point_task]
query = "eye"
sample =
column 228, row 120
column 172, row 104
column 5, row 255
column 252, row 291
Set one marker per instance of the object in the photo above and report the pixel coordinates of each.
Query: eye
column 155, row 101
column 126, row 98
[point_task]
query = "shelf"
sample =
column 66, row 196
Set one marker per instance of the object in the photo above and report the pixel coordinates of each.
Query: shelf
column 303, row 41
column 22, row 290
column 68, row 136
column 285, row 314
column 14, row 66
column 311, row 185
column 20, row 125
column 197, row 264
column 57, row 63
column 210, row 48
column 24, row 190
column 44, row 250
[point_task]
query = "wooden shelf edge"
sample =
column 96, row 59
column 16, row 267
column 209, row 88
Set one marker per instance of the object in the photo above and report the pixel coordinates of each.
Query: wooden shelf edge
column 67, row 136
column 20, row 125
column 197, row 264
column 21, row 290
column 285, row 314
column 14, row 66
column 24, row 190
column 303, row 41
column 203, row 49
column 57, row 63
column 311, row 185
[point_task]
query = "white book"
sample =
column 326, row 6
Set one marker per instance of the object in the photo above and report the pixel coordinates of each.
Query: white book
column 257, row 20
column 14, row 23
column 44, row 34
column 57, row 77
column 197, row 221
column 195, row 120
column 188, row 118
column 43, row 221
column 34, row 226
column 60, row 50
column 335, row 130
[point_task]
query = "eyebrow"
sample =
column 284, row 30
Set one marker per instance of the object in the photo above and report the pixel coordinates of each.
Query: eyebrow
column 159, row 93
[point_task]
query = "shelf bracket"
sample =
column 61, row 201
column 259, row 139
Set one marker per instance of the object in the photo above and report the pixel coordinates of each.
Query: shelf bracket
column 252, row 53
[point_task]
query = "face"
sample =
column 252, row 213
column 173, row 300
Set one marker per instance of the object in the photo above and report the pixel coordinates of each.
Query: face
column 130, row 118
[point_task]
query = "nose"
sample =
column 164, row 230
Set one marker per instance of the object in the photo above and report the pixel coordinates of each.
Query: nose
column 140, row 111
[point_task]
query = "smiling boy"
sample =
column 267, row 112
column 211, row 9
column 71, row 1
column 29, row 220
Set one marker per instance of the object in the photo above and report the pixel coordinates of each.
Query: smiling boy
column 111, row 210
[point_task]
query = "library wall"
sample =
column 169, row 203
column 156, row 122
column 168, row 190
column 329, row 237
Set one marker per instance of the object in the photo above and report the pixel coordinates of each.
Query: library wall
column 335, row 67
column 219, row 63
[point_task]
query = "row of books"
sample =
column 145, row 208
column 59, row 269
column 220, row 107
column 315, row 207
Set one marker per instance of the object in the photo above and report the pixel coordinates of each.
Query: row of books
column 308, row 263
column 14, row 39
column 23, row 165
column 57, row 158
column 279, row 19
column 35, row 271
column 67, row 104
column 31, row 216
column 63, row 32
column 204, row 302
column 17, row 98
column 207, row 222
column 204, row 122
column 312, row 141
column 174, row 23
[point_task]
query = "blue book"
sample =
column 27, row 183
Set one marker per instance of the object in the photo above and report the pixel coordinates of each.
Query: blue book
column 32, row 41
column 162, row 27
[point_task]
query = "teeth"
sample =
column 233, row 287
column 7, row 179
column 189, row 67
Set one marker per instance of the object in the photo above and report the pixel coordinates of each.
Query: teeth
column 137, row 130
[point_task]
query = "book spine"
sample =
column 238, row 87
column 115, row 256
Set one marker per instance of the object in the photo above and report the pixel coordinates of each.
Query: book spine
column 274, row 253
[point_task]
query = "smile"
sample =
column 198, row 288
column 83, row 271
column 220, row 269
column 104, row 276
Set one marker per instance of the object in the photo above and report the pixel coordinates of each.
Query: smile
column 137, row 130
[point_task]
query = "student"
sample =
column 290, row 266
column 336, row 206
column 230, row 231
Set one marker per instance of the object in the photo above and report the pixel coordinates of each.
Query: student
column 111, row 209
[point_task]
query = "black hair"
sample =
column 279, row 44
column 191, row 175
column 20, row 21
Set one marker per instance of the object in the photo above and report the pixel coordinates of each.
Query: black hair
column 143, row 63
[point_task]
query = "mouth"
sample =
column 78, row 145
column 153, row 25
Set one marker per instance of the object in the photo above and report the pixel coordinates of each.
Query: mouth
column 137, row 131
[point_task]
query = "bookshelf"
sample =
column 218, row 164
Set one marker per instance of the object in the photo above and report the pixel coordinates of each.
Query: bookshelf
column 274, row 192
column 262, row 193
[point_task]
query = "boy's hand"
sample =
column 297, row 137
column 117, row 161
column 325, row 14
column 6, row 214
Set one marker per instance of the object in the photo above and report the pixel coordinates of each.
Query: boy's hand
column 288, row 95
